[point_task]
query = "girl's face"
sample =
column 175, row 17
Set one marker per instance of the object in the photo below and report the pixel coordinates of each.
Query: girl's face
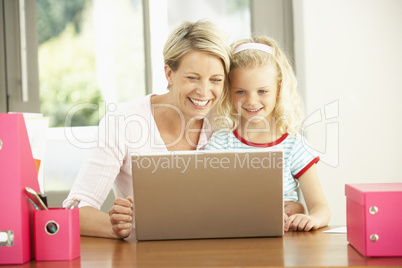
column 254, row 92
column 197, row 84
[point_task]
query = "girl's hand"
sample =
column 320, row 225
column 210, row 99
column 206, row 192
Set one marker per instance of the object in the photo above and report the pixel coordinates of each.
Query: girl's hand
column 285, row 217
column 301, row 222
column 121, row 216
column 292, row 207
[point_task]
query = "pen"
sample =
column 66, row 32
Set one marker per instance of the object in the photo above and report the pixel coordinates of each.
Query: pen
column 33, row 204
column 43, row 197
column 74, row 203
column 35, row 199
column 70, row 203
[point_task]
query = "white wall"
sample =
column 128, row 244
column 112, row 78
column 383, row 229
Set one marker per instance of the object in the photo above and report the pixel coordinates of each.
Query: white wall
column 349, row 59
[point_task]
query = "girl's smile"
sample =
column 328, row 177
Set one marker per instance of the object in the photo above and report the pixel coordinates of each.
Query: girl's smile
column 252, row 111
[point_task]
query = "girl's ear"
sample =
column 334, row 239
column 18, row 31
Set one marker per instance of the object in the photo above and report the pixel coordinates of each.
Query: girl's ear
column 168, row 74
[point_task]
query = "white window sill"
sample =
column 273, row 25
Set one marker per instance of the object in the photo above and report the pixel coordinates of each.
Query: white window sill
column 64, row 156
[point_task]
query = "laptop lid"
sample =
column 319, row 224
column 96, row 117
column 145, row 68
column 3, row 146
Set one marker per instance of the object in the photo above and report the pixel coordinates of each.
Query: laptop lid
column 208, row 194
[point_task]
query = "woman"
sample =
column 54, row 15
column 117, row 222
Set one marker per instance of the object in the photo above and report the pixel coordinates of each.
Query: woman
column 196, row 65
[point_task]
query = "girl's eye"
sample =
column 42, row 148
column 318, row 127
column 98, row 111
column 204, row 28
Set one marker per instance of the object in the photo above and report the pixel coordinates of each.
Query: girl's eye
column 240, row 92
column 262, row 91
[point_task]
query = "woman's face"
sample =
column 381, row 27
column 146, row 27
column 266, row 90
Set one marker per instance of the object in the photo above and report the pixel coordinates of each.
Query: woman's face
column 197, row 84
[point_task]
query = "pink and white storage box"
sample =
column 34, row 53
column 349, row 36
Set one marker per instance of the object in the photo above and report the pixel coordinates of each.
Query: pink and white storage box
column 374, row 218
column 57, row 234
column 17, row 171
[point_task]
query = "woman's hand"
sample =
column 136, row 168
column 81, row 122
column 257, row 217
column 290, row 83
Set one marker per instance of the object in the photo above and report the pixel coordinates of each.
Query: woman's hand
column 301, row 222
column 121, row 216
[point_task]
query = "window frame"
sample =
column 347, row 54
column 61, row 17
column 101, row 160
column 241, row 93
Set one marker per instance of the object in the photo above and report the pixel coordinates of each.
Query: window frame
column 3, row 85
column 12, row 99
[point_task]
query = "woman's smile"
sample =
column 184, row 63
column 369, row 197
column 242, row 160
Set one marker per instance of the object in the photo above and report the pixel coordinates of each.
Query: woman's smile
column 197, row 84
column 199, row 104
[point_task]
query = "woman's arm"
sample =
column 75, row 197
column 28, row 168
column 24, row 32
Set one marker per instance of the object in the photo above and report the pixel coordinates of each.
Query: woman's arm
column 116, row 224
column 319, row 213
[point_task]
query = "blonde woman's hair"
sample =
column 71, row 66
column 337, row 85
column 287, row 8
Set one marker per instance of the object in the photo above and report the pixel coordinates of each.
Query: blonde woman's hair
column 288, row 110
column 198, row 36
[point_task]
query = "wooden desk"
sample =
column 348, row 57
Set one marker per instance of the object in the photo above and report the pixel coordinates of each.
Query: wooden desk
column 294, row 249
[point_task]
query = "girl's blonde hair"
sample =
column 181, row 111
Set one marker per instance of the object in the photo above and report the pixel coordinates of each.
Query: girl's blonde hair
column 288, row 110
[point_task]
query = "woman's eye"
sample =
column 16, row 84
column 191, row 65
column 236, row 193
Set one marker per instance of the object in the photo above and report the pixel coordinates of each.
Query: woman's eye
column 191, row 78
column 217, row 80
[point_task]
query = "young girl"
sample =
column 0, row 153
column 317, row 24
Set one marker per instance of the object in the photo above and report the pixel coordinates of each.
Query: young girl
column 265, row 112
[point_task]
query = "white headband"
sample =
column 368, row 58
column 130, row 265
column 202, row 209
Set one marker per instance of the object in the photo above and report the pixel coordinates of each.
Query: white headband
column 258, row 46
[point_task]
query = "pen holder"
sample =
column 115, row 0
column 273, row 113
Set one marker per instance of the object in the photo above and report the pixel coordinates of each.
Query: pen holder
column 56, row 234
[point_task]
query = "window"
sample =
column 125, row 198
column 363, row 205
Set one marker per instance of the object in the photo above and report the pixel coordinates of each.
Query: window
column 95, row 52
column 232, row 16
column 89, row 52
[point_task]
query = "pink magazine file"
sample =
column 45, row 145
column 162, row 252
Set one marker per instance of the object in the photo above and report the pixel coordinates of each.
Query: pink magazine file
column 76, row 263
column 374, row 218
column 17, row 171
column 57, row 234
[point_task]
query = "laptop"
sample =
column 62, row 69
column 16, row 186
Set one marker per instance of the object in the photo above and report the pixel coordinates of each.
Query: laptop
column 208, row 194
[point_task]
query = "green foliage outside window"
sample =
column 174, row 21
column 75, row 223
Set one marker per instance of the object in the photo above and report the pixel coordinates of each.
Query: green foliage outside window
column 67, row 62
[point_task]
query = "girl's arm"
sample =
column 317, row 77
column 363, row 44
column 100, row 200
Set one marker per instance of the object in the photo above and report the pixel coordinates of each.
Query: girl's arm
column 319, row 213
column 292, row 207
